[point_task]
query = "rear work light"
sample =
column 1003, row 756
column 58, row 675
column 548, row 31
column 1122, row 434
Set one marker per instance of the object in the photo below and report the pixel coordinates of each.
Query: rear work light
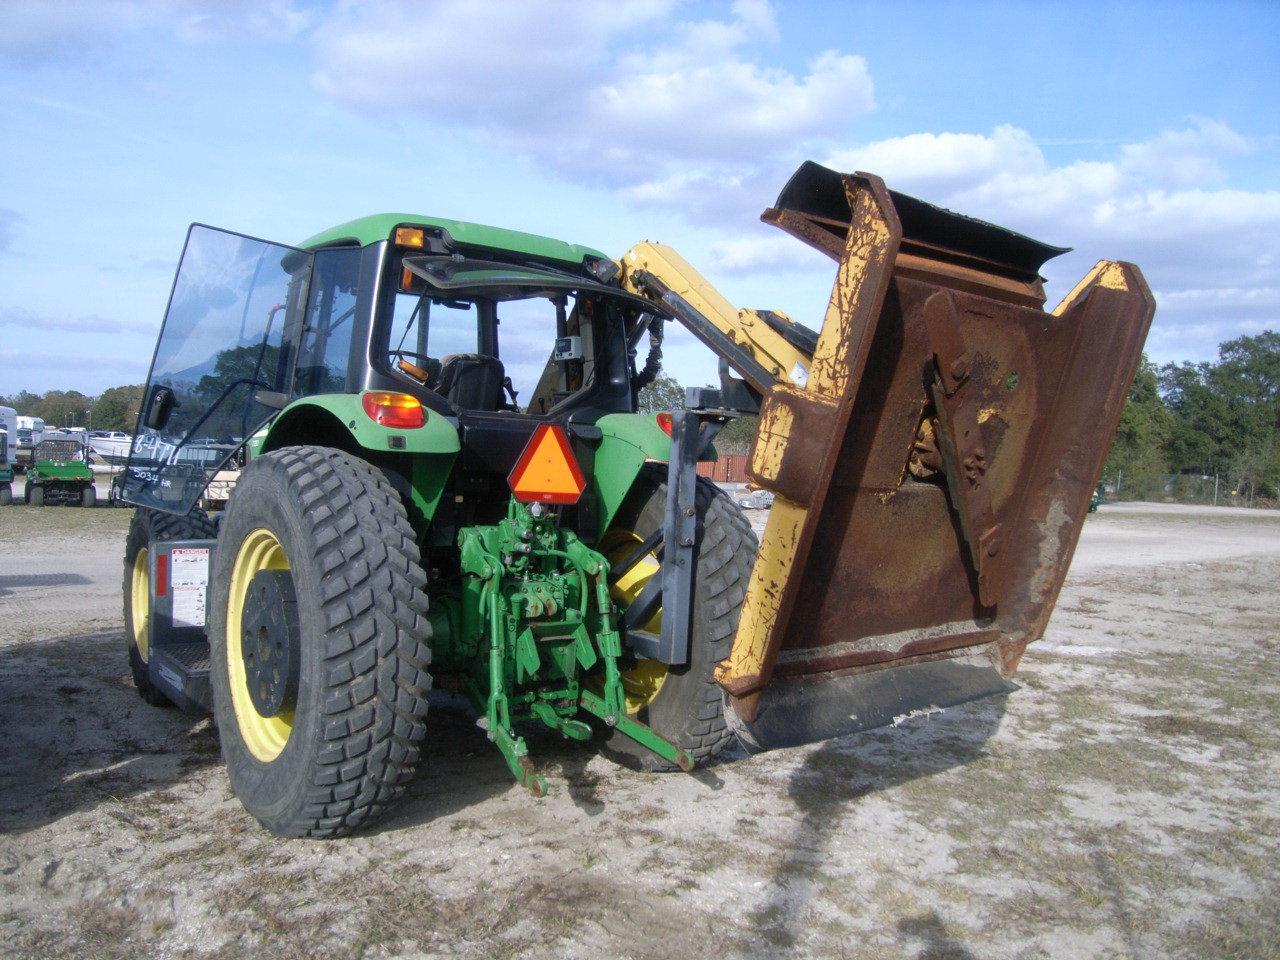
column 413, row 237
column 393, row 409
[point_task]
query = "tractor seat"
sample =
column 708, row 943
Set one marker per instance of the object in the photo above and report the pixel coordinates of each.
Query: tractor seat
column 472, row 381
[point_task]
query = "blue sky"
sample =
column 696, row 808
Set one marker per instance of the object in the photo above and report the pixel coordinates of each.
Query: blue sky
column 1146, row 132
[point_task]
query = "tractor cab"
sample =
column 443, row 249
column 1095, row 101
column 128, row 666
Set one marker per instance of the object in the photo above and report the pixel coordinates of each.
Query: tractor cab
column 485, row 339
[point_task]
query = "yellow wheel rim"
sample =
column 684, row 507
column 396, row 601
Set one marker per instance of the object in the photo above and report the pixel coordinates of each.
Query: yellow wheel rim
column 140, row 603
column 643, row 682
column 265, row 737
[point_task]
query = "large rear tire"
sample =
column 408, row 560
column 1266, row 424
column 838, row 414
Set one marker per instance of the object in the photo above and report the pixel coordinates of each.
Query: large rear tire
column 684, row 704
column 326, row 531
column 6, row 495
column 35, row 496
column 146, row 527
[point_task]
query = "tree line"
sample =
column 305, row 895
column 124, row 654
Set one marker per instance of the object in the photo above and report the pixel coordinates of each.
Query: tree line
column 113, row 409
column 1203, row 431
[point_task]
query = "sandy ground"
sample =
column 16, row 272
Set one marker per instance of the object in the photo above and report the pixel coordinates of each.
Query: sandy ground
column 1124, row 803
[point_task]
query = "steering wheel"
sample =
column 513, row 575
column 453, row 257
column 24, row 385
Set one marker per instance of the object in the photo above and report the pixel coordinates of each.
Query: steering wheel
column 420, row 366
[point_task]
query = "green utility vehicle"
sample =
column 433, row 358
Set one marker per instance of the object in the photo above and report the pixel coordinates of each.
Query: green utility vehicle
column 60, row 472
column 450, row 483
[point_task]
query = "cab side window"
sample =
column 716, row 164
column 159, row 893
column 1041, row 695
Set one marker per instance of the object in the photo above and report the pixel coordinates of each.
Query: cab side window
column 324, row 356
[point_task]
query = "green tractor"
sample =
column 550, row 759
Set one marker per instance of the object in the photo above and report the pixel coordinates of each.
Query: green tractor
column 453, row 486
column 60, row 472
column 449, row 482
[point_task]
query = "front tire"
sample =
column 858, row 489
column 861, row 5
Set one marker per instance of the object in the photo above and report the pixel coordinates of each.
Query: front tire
column 146, row 527
column 6, row 495
column 35, row 496
column 685, row 704
column 88, row 497
column 332, row 754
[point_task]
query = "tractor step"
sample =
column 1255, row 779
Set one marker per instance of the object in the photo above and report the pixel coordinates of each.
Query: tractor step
column 178, row 660
column 181, row 672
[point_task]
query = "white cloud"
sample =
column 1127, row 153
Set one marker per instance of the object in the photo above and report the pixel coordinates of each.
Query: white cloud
column 20, row 319
column 938, row 162
column 1212, row 254
column 257, row 20
column 1185, row 158
column 773, row 253
column 68, row 31
column 619, row 94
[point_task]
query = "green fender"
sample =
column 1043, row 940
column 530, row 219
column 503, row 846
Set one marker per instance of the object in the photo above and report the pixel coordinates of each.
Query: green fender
column 629, row 441
column 339, row 420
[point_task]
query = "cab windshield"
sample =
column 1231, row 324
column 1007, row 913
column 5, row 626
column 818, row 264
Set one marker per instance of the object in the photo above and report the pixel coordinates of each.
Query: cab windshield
column 64, row 450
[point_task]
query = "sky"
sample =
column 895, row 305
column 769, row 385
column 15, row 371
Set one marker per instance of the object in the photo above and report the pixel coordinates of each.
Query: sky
column 1147, row 132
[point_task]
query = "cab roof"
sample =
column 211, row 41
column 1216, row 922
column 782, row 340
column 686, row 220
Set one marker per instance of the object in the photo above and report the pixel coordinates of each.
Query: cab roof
column 377, row 227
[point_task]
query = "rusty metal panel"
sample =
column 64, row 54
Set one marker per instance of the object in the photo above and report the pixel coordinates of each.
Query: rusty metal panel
column 933, row 475
column 844, row 343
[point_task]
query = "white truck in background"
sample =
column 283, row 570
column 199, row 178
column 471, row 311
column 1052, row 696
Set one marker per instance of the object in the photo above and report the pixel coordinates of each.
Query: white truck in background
column 30, row 433
column 8, row 452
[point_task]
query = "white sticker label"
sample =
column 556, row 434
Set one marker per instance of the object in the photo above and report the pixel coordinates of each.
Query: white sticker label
column 800, row 375
column 189, row 577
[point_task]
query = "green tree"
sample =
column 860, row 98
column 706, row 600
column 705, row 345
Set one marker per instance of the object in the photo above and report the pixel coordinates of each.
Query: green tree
column 117, row 408
column 1136, row 465
column 1226, row 416
column 62, row 408
column 664, row 394
column 1195, row 442
column 1247, row 379
column 23, row 401
column 737, row 435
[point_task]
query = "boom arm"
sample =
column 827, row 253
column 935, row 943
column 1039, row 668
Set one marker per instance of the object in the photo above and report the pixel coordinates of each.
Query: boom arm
column 764, row 347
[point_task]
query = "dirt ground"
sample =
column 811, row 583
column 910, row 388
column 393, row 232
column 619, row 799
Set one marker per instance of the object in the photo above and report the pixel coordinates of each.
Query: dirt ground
column 1125, row 802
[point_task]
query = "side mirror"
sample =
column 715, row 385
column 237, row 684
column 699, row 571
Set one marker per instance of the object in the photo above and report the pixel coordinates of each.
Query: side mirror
column 158, row 409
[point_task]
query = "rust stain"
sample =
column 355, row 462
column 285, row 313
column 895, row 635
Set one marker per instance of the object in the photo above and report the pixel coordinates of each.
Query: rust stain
column 771, row 441
column 869, row 234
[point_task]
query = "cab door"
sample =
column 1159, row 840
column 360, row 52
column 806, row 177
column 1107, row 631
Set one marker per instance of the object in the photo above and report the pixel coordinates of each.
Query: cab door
column 222, row 363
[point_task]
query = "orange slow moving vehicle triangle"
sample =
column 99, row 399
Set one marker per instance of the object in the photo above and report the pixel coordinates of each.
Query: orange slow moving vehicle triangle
column 547, row 471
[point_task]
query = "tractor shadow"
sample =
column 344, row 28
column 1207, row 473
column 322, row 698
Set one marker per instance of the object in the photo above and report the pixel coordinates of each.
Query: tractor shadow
column 460, row 768
column 45, row 581
column 75, row 734
column 826, row 790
